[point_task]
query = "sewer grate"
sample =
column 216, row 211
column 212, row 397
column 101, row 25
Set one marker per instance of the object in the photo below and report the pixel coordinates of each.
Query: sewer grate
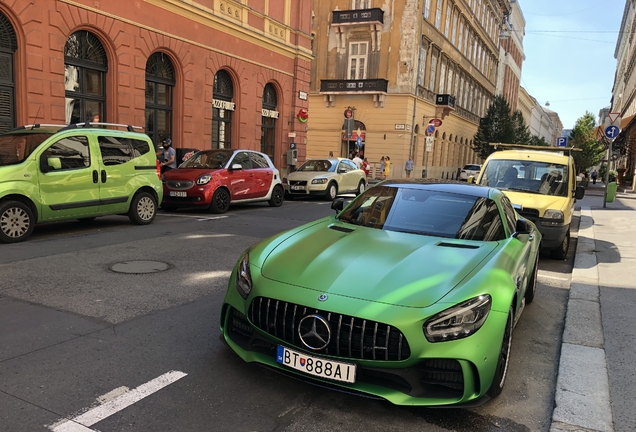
column 140, row 267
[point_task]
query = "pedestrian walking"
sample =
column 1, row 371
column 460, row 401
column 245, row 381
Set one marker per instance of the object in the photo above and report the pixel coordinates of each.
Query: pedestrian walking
column 365, row 167
column 387, row 167
column 382, row 167
column 356, row 160
column 408, row 167
column 594, row 175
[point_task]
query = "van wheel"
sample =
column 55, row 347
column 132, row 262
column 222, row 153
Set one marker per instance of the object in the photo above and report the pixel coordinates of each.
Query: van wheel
column 503, row 361
column 143, row 208
column 16, row 222
column 220, row 201
column 561, row 252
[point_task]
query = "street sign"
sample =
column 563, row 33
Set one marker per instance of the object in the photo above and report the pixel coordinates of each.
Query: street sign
column 348, row 113
column 612, row 131
column 359, row 141
column 429, row 143
column 435, row 122
column 430, row 129
column 614, row 116
column 562, row 141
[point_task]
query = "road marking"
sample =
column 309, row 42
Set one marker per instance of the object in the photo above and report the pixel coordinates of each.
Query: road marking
column 552, row 277
column 82, row 422
column 197, row 217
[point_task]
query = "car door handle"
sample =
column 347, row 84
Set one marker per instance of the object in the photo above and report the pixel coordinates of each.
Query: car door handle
column 95, row 176
column 103, row 176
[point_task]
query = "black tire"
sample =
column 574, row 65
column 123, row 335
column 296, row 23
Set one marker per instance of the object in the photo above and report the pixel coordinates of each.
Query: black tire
column 561, row 252
column 532, row 283
column 87, row 219
column 220, row 201
column 499, row 380
column 361, row 187
column 143, row 208
column 332, row 191
column 16, row 222
column 277, row 198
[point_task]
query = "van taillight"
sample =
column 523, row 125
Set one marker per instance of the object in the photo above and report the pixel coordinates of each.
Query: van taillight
column 158, row 169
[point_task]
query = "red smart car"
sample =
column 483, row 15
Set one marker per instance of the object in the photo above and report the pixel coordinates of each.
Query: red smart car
column 214, row 179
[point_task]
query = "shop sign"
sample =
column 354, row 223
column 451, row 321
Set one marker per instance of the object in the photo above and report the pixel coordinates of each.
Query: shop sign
column 221, row 104
column 269, row 113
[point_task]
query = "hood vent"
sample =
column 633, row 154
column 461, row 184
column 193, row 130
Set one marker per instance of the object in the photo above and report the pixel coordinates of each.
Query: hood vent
column 339, row 228
column 457, row 245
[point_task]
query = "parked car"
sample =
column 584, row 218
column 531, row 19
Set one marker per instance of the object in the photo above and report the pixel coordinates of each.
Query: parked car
column 326, row 178
column 55, row 172
column 541, row 183
column 410, row 294
column 469, row 170
column 216, row 179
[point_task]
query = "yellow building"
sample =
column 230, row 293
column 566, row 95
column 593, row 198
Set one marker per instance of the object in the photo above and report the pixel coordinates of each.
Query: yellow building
column 397, row 66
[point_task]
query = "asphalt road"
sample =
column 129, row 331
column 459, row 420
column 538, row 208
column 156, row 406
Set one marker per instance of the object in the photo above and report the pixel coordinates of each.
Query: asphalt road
column 74, row 334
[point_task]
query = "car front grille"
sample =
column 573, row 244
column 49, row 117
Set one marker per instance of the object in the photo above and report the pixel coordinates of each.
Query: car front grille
column 297, row 183
column 179, row 184
column 351, row 337
column 443, row 374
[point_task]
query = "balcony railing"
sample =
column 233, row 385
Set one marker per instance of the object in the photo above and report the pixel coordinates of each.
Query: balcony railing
column 359, row 16
column 377, row 85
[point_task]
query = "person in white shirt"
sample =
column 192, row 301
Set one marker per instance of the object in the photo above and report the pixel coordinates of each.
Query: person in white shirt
column 356, row 160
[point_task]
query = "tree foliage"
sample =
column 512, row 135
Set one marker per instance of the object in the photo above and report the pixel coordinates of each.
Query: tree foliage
column 583, row 136
column 502, row 126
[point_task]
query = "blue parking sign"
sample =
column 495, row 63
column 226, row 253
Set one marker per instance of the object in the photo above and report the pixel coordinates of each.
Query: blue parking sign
column 562, row 141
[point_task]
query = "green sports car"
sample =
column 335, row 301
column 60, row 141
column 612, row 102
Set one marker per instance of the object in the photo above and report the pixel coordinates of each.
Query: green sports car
column 410, row 293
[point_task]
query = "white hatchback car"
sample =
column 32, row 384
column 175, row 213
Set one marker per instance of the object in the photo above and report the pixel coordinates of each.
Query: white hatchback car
column 325, row 177
column 469, row 170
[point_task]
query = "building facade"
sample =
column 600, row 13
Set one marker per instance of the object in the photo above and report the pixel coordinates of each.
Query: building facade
column 511, row 55
column 557, row 126
column 538, row 119
column 395, row 66
column 206, row 73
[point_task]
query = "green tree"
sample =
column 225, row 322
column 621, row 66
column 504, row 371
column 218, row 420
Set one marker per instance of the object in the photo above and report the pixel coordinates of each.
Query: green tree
column 583, row 137
column 522, row 132
column 538, row 141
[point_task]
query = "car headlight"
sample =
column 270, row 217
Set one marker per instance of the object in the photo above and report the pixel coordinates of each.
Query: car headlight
column 244, row 277
column 319, row 181
column 204, row 179
column 458, row 321
column 552, row 218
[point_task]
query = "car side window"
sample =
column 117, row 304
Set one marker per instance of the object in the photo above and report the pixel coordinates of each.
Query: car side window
column 352, row 165
column 73, row 153
column 483, row 222
column 140, row 147
column 243, row 159
column 114, row 151
column 511, row 216
column 344, row 167
column 258, row 161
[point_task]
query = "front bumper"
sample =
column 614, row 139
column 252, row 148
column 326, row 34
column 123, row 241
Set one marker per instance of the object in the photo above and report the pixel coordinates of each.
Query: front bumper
column 433, row 374
column 195, row 196
column 551, row 236
column 310, row 189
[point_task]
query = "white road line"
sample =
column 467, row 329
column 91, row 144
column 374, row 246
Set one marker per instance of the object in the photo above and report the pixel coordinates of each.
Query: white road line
column 552, row 277
column 198, row 217
column 81, row 422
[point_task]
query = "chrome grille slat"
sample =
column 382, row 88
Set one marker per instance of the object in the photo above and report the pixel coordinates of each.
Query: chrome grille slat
column 274, row 317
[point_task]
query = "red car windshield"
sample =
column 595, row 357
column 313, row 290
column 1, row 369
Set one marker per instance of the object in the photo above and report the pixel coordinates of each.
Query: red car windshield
column 16, row 147
column 208, row 159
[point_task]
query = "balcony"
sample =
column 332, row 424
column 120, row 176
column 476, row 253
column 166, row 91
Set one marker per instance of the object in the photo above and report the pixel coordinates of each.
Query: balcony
column 359, row 16
column 366, row 86
column 445, row 100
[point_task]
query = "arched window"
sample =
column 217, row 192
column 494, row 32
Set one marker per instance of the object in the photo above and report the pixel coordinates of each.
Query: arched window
column 159, row 86
column 85, row 67
column 223, row 106
column 268, row 122
column 8, row 46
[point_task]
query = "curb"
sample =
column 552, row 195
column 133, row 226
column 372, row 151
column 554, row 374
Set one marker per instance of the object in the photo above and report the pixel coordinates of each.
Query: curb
column 582, row 400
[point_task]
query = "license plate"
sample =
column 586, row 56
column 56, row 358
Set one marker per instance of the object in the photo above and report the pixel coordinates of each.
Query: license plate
column 317, row 366
column 178, row 194
column 298, row 187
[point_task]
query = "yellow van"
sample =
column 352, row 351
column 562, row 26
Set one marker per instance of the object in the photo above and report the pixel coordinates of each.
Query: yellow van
column 541, row 183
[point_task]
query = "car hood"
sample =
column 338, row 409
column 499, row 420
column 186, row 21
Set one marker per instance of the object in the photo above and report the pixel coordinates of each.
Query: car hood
column 188, row 173
column 371, row 264
column 537, row 201
column 301, row 175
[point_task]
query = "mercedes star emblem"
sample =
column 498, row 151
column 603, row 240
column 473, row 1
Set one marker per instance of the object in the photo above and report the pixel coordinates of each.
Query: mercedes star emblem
column 314, row 332
column 323, row 297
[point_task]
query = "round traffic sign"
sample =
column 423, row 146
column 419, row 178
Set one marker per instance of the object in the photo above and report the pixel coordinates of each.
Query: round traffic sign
column 348, row 113
column 612, row 131
column 435, row 122
column 430, row 129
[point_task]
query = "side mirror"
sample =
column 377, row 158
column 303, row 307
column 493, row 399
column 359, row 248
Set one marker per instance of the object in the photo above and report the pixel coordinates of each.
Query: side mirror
column 580, row 192
column 337, row 204
column 341, row 171
column 470, row 179
column 55, row 162
column 522, row 227
column 48, row 164
column 236, row 167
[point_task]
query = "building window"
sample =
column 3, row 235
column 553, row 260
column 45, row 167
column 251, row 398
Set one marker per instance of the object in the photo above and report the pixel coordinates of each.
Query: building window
column 160, row 83
column 460, row 42
column 222, row 108
column 447, row 21
column 438, row 14
column 454, row 30
column 8, row 46
column 431, row 83
column 427, row 8
column 442, row 77
column 358, row 60
column 268, row 121
column 421, row 72
column 85, row 67
column 361, row 4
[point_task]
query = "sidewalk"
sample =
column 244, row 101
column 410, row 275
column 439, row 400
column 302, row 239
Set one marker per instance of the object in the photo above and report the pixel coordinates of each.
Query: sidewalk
column 596, row 383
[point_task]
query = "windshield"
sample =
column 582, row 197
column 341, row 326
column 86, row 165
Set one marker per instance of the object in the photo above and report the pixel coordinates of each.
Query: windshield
column 16, row 147
column 526, row 176
column 426, row 212
column 318, row 165
column 208, row 159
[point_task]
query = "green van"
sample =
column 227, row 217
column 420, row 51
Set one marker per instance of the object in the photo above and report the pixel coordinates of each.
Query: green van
column 80, row 171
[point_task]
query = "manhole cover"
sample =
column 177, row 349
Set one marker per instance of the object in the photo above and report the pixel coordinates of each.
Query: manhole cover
column 139, row 267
